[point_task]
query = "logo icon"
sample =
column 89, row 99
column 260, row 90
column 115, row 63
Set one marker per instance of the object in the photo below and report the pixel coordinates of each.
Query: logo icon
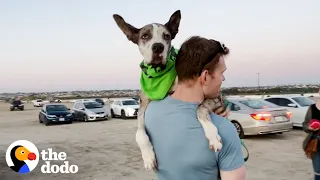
column 22, row 156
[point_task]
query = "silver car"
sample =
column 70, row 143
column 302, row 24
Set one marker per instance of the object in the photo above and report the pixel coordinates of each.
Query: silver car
column 256, row 116
column 89, row 111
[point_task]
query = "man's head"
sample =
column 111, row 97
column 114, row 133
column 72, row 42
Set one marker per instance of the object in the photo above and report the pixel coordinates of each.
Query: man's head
column 200, row 62
column 154, row 40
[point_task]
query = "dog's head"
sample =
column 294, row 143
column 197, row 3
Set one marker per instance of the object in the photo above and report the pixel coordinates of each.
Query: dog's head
column 153, row 40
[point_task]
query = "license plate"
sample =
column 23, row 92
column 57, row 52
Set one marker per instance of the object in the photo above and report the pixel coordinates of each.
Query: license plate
column 61, row 119
column 279, row 119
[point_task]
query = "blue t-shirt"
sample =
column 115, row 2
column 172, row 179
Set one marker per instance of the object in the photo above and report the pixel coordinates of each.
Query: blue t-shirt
column 181, row 148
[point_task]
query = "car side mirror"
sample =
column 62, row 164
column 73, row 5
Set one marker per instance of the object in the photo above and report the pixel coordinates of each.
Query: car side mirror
column 68, row 109
column 292, row 105
column 237, row 108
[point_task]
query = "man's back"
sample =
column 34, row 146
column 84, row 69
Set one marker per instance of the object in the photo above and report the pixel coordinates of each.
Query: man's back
column 180, row 145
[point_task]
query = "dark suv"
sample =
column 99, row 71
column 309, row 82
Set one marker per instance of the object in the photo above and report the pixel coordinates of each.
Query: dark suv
column 16, row 104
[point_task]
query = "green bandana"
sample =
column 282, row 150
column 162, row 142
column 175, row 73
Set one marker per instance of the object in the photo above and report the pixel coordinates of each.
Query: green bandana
column 156, row 82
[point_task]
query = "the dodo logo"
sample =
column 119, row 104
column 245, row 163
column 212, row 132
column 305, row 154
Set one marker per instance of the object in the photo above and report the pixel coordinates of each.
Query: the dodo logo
column 22, row 156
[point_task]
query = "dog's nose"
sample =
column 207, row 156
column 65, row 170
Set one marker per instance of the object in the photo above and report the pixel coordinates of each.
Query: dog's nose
column 157, row 47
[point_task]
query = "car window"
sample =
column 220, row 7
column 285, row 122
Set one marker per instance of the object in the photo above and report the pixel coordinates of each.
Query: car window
column 75, row 106
column 129, row 102
column 92, row 105
column 304, row 101
column 56, row 108
column 273, row 100
column 234, row 107
column 258, row 104
column 284, row 102
column 16, row 102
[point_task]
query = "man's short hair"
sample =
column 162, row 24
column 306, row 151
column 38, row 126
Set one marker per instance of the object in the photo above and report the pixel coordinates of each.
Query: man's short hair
column 196, row 55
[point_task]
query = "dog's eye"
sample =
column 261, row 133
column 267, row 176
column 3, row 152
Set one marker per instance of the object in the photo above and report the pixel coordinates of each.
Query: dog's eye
column 145, row 36
column 166, row 36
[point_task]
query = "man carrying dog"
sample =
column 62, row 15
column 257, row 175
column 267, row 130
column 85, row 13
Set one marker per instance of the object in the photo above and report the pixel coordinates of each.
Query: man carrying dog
column 177, row 136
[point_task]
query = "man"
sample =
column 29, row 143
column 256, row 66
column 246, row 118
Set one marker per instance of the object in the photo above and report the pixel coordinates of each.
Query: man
column 182, row 151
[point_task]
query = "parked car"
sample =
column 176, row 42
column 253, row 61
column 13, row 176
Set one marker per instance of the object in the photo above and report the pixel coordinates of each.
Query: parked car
column 38, row 103
column 298, row 105
column 54, row 101
column 99, row 101
column 55, row 113
column 256, row 116
column 124, row 108
column 89, row 111
column 16, row 104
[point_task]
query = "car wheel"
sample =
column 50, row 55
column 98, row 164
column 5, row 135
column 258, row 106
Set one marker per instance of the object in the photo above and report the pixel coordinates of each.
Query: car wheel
column 46, row 122
column 22, row 109
column 123, row 114
column 112, row 114
column 85, row 118
column 40, row 120
column 11, row 109
column 238, row 128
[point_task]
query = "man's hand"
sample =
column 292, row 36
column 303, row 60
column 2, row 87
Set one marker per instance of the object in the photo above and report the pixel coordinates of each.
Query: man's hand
column 221, row 111
column 313, row 129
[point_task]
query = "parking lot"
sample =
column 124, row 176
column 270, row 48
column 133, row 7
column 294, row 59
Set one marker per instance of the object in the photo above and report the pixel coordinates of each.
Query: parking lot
column 107, row 149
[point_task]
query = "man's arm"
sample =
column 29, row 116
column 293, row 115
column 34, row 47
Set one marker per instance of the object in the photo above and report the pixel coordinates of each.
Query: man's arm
column 306, row 121
column 230, row 158
column 237, row 174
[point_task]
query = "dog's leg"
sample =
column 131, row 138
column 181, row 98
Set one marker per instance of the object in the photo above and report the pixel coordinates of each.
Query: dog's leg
column 142, row 138
column 210, row 130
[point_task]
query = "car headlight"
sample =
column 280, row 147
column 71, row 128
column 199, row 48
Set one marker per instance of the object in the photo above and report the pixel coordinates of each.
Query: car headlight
column 21, row 104
column 51, row 116
column 69, row 115
column 131, row 110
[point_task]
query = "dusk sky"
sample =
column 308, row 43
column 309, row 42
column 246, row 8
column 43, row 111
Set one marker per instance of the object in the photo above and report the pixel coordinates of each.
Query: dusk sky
column 58, row 45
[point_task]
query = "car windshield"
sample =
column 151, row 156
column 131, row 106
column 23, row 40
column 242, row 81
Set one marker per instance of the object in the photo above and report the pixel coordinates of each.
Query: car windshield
column 99, row 100
column 304, row 101
column 129, row 102
column 258, row 104
column 39, row 100
column 16, row 102
column 92, row 105
column 56, row 108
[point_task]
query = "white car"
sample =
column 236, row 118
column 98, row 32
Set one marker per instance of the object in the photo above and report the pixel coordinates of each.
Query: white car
column 298, row 105
column 38, row 103
column 124, row 108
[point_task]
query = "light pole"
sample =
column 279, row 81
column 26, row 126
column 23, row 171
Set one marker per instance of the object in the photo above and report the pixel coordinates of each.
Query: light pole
column 258, row 80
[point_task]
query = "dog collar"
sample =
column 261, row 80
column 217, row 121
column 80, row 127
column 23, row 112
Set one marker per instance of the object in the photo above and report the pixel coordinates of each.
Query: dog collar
column 152, row 71
column 155, row 82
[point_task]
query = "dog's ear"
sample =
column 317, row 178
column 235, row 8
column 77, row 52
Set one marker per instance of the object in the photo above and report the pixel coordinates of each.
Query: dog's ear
column 130, row 31
column 173, row 23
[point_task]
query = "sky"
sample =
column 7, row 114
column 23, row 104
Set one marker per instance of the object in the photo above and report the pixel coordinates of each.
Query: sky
column 62, row 45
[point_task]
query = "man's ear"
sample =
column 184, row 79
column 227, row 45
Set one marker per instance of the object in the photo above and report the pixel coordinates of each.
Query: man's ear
column 173, row 23
column 130, row 31
column 203, row 77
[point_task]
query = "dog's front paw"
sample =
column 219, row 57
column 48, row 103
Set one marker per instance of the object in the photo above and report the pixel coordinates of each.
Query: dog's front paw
column 215, row 143
column 149, row 159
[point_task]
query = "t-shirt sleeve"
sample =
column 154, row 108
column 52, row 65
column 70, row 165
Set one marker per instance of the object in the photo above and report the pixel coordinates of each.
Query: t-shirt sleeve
column 230, row 157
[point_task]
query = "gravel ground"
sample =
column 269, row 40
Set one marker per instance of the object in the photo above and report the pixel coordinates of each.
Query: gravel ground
column 107, row 149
